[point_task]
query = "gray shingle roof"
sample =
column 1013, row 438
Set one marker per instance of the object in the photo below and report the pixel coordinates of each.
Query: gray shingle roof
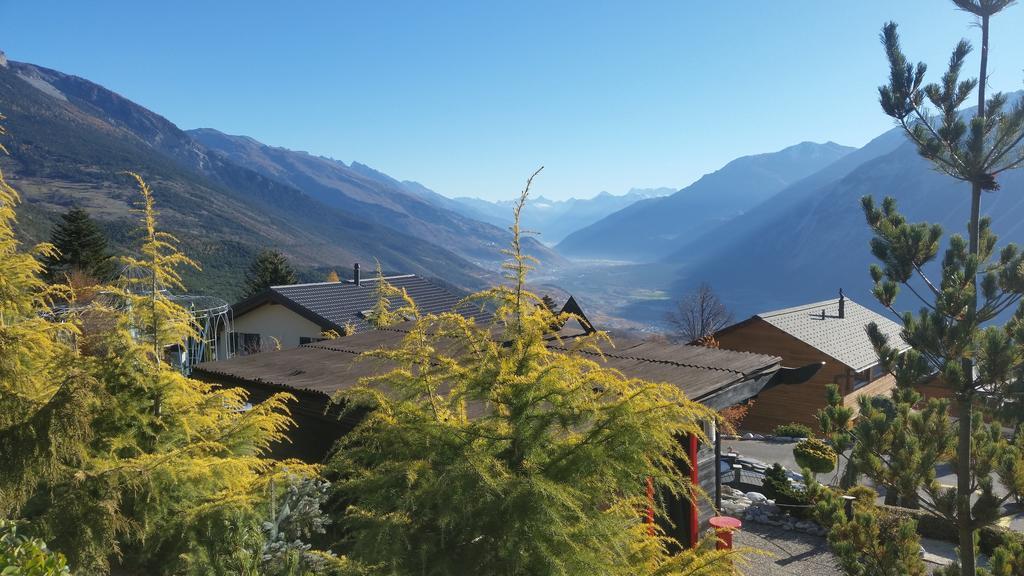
column 844, row 338
column 335, row 304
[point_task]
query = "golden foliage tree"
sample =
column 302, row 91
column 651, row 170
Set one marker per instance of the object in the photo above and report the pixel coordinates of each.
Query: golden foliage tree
column 386, row 296
column 486, row 451
column 109, row 453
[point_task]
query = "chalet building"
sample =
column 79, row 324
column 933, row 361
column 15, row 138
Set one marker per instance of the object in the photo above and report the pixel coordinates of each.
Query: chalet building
column 832, row 333
column 315, row 372
column 284, row 317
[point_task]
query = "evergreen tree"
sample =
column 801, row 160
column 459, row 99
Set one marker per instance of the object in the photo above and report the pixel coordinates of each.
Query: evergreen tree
column 836, row 421
column 109, row 454
column 381, row 315
column 269, row 268
column 549, row 303
column 81, row 246
column 869, row 543
column 977, row 284
column 487, row 452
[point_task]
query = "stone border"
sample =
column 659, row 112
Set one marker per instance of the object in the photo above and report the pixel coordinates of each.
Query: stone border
column 763, row 437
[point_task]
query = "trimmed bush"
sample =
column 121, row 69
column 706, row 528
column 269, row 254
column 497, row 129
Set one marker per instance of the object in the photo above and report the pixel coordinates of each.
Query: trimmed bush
column 815, row 455
column 793, row 500
column 794, row 430
column 864, row 494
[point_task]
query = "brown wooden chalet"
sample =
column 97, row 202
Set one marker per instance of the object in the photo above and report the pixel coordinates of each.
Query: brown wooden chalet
column 317, row 371
column 832, row 333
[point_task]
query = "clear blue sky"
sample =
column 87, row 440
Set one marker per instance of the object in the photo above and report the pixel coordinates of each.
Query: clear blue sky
column 470, row 97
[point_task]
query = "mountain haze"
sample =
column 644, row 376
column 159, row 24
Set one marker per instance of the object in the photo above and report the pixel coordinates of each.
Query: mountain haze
column 553, row 220
column 650, row 229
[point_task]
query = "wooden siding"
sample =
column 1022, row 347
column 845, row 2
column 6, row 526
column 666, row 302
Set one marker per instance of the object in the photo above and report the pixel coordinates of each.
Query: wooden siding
column 880, row 387
column 792, row 403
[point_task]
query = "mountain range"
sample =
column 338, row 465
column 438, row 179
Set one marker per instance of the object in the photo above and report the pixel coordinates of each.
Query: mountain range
column 804, row 242
column 766, row 231
column 655, row 227
column 224, row 197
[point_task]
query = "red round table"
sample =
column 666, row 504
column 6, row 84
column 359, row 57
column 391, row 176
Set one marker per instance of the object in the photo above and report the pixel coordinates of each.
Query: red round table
column 724, row 527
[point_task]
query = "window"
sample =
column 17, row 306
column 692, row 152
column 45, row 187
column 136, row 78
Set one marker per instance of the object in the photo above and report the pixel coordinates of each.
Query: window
column 865, row 377
column 877, row 372
column 246, row 343
column 303, row 340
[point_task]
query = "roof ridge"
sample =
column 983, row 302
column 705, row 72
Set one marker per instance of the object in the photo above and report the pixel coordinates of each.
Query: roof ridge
column 801, row 307
column 342, row 282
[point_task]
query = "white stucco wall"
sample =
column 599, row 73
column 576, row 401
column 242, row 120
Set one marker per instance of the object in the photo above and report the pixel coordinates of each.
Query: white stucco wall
column 275, row 321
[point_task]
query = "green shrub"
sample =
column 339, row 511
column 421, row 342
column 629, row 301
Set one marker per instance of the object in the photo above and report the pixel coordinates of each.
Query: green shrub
column 21, row 556
column 795, row 501
column 815, row 455
column 864, row 494
column 793, row 430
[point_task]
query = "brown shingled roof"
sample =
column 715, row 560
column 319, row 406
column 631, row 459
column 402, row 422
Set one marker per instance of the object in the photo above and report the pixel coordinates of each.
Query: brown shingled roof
column 333, row 365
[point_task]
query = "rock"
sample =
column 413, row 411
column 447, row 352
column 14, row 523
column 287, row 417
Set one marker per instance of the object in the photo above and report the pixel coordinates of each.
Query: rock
column 799, row 439
column 783, row 439
column 748, row 436
column 756, row 497
column 804, row 525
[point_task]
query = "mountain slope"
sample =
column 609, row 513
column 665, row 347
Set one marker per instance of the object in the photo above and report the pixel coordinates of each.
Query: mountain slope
column 758, row 221
column 72, row 139
column 370, row 195
column 653, row 228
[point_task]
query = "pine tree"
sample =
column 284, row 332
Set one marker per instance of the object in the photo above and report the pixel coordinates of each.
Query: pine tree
column 977, row 284
column 269, row 268
column 836, row 421
column 869, row 543
column 81, row 247
column 501, row 456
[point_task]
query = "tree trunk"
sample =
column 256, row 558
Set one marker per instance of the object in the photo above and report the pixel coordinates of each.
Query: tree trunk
column 965, row 522
column 965, row 402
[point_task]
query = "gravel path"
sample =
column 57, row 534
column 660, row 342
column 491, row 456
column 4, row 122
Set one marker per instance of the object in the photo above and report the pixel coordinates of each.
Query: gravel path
column 792, row 553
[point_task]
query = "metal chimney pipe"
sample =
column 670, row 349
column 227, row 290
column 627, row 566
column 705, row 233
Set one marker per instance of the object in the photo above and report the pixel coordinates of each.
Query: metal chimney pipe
column 842, row 304
column 355, row 274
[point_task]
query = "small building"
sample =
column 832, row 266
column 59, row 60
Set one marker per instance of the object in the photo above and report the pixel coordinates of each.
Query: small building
column 317, row 371
column 832, row 333
column 284, row 317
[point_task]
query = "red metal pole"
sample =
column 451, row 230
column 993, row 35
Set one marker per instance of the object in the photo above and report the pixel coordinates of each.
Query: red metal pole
column 650, row 505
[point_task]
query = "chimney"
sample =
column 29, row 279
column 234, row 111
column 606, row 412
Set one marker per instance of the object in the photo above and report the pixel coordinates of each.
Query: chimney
column 355, row 274
column 842, row 304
